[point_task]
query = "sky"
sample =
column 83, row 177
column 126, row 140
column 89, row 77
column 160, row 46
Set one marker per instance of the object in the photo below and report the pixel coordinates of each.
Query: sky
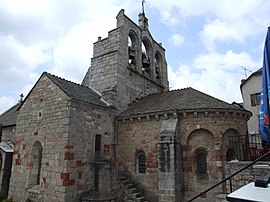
column 210, row 45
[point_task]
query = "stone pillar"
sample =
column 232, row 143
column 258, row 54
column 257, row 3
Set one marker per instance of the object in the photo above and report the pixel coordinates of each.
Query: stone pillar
column 168, row 162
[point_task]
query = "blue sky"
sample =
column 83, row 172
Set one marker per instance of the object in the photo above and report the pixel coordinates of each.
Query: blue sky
column 207, row 42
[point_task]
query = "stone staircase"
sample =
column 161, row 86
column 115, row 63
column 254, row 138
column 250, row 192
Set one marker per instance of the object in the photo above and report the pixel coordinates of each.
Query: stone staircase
column 130, row 192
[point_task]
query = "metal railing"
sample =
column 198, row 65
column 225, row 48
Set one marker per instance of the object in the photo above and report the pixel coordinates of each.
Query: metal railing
column 229, row 177
column 247, row 148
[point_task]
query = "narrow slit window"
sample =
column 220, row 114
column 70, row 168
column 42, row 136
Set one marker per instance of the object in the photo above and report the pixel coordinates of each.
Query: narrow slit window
column 201, row 163
column 141, row 163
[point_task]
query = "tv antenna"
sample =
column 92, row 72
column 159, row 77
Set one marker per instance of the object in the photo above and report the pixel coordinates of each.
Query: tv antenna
column 245, row 69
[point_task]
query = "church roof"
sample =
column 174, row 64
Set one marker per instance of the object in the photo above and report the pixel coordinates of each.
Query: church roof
column 77, row 91
column 9, row 117
column 187, row 99
column 73, row 90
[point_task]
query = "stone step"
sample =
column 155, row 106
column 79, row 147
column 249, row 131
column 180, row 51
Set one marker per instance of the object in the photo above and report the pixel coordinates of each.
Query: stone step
column 130, row 186
column 131, row 190
column 140, row 199
column 136, row 195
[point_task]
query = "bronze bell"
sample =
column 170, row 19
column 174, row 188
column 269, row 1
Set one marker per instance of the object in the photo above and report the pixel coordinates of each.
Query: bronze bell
column 131, row 53
column 145, row 61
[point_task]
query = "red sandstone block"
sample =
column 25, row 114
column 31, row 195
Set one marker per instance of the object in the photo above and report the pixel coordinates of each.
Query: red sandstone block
column 79, row 163
column 30, row 165
column 128, row 128
column 24, row 146
column 219, row 169
column 18, row 162
column 65, row 176
column 218, row 158
column 68, row 183
column 69, row 156
column 68, row 147
column 107, row 149
column 36, row 133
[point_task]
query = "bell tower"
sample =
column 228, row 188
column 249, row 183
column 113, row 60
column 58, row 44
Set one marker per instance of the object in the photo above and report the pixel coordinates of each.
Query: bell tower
column 128, row 64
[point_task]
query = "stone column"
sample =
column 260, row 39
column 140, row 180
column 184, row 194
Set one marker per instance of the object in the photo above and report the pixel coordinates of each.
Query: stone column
column 168, row 162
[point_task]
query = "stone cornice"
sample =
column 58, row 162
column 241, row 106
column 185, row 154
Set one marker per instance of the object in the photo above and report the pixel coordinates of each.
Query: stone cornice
column 191, row 113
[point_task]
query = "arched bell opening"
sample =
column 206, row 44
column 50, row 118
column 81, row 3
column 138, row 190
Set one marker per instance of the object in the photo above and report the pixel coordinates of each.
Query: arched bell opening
column 146, row 57
column 132, row 47
column 158, row 66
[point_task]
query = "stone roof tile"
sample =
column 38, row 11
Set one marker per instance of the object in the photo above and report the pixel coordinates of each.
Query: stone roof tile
column 184, row 99
column 9, row 117
column 77, row 91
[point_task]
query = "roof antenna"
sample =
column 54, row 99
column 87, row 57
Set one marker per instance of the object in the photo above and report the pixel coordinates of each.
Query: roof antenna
column 245, row 69
column 143, row 2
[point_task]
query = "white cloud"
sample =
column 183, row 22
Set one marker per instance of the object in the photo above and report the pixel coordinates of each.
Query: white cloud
column 6, row 103
column 216, row 74
column 57, row 36
column 177, row 39
column 219, row 31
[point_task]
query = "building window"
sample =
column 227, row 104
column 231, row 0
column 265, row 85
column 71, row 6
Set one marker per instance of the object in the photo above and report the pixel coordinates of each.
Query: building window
column 97, row 146
column 36, row 159
column 201, row 162
column 255, row 99
column 141, row 164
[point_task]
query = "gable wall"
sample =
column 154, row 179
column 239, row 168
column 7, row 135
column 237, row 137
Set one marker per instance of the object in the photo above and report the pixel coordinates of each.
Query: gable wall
column 110, row 72
column 43, row 117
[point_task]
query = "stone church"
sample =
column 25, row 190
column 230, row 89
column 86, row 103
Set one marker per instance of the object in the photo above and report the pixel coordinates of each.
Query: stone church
column 120, row 135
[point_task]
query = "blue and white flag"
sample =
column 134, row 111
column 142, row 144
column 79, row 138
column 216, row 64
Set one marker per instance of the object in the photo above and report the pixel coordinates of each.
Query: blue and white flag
column 265, row 94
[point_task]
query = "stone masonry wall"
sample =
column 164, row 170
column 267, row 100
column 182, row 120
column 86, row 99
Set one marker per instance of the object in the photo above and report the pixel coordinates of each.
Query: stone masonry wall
column 253, row 173
column 140, row 136
column 206, row 131
column 66, row 130
column 8, row 133
column 43, row 117
column 87, row 121
column 110, row 72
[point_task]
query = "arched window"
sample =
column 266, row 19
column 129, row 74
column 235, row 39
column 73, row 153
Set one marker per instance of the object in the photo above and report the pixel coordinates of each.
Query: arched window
column 201, row 162
column 36, row 161
column 141, row 163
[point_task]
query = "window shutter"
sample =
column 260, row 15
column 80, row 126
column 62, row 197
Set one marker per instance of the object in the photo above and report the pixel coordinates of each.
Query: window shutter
column 253, row 99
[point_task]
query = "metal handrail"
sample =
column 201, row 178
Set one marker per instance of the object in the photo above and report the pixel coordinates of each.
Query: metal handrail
column 227, row 178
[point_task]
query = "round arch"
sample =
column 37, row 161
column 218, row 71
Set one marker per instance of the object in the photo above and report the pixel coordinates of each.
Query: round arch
column 133, row 47
column 158, row 66
column 36, row 164
column 140, row 161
